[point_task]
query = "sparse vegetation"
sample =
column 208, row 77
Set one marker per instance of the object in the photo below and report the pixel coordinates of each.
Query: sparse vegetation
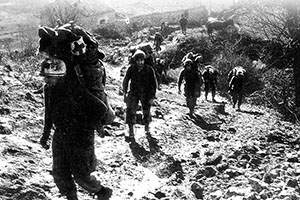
column 252, row 154
column 108, row 31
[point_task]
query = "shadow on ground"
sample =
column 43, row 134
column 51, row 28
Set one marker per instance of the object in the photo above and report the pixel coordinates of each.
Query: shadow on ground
column 199, row 121
column 139, row 152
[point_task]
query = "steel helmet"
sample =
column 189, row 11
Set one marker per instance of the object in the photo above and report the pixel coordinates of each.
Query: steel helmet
column 53, row 67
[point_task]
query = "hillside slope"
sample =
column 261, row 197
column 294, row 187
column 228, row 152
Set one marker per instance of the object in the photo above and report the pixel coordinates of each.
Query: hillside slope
column 218, row 154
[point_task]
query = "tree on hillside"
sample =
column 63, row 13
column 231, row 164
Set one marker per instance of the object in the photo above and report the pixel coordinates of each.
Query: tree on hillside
column 278, row 23
column 293, row 26
column 65, row 12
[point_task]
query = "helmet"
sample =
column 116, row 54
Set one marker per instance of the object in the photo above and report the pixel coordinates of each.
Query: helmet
column 53, row 67
column 146, row 48
column 188, row 62
column 240, row 71
column 199, row 59
column 139, row 54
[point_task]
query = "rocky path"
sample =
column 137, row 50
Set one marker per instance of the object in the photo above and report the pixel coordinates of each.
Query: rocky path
column 218, row 154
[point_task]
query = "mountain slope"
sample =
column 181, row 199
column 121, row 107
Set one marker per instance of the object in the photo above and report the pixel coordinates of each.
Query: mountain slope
column 251, row 154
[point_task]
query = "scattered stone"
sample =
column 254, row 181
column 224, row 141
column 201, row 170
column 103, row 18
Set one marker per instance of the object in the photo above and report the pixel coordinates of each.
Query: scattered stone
column 258, row 185
column 205, row 172
column 214, row 159
column 276, row 136
column 159, row 114
column 232, row 173
column 220, row 108
column 31, row 193
column 209, row 153
column 30, row 97
column 198, row 190
column 4, row 130
column 235, row 154
column 292, row 183
column 237, row 191
column 293, row 159
column 195, row 154
column 232, row 130
column 4, row 111
column 160, row 195
column 222, row 167
column 255, row 161
column 268, row 178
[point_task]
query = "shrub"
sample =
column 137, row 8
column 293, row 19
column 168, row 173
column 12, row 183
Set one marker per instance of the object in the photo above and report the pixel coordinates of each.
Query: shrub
column 108, row 31
column 196, row 44
column 278, row 92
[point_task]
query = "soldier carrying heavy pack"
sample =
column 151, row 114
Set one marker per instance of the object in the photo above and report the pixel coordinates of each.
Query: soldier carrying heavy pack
column 142, row 89
column 236, row 82
column 192, row 88
column 75, row 104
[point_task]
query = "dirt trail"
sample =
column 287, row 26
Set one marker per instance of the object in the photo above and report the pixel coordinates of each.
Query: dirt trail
column 218, row 154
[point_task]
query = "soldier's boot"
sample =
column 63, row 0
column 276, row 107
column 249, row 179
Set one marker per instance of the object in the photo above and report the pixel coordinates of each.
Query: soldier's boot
column 147, row 128
column 191, row 112
column 72, row 196
column 100, row 130
column 104, row 194
column 131, row 131
column 213, row 94
column 239, row 106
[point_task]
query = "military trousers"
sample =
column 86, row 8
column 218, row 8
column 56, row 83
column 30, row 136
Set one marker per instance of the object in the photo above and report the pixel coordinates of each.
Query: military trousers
column 132, row 107
column 73, row 161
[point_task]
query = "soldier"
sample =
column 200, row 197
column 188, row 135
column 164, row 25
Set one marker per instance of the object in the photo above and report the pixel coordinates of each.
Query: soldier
column 183, row 23
column 160, row 71
column 158, row 39
column 210, row 76
column 149, row 56
column 164, row 29
column 143, row 87
column 236, row 80
column 192, row 88
column 74, row 107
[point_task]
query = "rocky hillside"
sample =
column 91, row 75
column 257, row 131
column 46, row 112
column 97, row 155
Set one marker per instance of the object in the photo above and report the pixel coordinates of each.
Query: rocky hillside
column 219, row 153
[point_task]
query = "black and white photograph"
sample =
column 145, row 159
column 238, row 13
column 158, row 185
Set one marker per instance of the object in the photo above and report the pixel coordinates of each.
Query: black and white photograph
column 149, row 99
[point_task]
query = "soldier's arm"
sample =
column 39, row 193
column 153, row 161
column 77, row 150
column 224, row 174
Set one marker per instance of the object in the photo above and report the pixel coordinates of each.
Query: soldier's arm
column 126, row 80
column 180, row 80
column 48, row 123
column 104, row 76
column 153, row 83
column 230, row 74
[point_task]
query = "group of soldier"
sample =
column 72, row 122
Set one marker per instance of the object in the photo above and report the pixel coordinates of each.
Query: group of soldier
column 145, row 74
column 76, row 103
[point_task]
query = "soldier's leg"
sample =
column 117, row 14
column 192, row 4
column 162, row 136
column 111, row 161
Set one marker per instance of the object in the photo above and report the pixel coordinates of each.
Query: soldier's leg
column 213, row 93
column 146, row 106
column 83, row 162
column 239, row 100
column 132, row 106
column 194, row 102
column 206, row 89
column 99, row 127
column 234, row 99
column 60, row 170
column 190, row 104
